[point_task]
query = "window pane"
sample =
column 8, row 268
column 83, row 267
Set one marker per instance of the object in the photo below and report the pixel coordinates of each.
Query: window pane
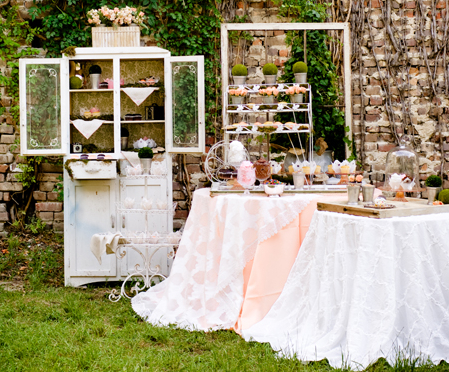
column 43, row 106
column 185, row 104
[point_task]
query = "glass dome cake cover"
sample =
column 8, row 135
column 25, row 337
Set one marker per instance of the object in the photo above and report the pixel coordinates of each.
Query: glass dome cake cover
column 402, row 168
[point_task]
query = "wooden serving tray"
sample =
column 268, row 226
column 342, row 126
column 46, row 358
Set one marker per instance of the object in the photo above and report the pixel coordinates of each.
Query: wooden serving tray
column 414, row 207
column 285, row 193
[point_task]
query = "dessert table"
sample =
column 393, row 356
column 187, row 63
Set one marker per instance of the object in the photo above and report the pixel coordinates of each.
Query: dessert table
column 232, row 262
column 364, row 288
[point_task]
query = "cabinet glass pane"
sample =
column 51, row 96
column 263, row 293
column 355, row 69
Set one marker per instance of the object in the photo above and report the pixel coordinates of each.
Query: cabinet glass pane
column 43, row 107
column 185, row 104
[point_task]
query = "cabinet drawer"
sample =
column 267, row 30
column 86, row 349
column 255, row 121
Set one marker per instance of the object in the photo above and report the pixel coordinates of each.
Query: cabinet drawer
column 93, row 170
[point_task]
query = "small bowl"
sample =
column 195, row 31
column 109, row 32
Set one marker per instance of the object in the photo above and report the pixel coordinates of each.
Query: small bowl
column 274, row 190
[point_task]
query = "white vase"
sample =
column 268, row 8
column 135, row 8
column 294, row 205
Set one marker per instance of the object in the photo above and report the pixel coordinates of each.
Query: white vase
column 94, row 80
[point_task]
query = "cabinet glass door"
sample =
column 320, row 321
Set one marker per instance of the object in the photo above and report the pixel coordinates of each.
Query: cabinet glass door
column 43, row 105
column 187, row 132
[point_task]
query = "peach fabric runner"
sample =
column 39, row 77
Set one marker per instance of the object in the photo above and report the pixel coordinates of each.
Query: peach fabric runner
column 266, row 274
column 205, row 288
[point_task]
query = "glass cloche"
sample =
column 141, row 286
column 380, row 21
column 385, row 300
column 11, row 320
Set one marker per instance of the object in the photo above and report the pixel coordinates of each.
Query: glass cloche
column 402, row 169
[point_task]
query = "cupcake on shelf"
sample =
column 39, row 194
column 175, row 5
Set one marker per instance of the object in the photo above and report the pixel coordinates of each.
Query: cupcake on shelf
column 95, row 112
column 344, row 169
column 330, row 169
column 306, row 169
column 317, row 169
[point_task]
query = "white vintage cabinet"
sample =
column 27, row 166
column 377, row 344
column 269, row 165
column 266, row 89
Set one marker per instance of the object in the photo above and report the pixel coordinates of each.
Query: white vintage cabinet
column 47, row 106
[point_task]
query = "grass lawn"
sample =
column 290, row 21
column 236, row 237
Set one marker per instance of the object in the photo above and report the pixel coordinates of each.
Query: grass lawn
column 46, row 327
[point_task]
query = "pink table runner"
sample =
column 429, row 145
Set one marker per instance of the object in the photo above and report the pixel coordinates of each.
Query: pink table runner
column 207, row 286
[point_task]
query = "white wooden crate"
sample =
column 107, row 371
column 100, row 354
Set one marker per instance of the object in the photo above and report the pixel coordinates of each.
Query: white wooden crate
column 108, row 37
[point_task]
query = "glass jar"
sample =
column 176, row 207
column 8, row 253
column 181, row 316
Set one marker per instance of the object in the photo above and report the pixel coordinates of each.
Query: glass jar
column 263, row 169
column 402, row 168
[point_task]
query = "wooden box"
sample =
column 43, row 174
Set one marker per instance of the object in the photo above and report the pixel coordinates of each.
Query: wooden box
column 414, row 207
column 104, row 37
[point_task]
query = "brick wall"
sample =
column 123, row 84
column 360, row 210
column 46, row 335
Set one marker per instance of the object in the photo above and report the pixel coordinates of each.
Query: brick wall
column 426, row 113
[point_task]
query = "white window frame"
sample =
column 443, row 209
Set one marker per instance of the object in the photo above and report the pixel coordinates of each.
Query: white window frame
column 63, row 91
column 201, row 109
column 332, row 26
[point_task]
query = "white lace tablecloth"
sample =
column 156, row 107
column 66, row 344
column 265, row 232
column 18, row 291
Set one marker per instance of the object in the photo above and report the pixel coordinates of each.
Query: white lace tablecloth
column 364, row 288
column 205, row 288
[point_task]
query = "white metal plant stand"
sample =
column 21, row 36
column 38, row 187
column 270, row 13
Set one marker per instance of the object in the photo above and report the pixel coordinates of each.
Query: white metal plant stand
column 145, row 272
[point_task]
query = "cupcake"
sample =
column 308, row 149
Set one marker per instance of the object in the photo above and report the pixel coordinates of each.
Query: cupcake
column 306, row 170
column 330, row 169
column 318, row 169
column 344, row 169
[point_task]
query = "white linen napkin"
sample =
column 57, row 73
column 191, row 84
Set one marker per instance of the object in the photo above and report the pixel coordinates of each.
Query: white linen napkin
column 87, row 127
column 138, row 95
column 132, row 157
column 104, row 243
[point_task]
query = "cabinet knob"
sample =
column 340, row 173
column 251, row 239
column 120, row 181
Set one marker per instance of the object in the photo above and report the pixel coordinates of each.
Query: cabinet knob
column 123, row 221
column 112, row 221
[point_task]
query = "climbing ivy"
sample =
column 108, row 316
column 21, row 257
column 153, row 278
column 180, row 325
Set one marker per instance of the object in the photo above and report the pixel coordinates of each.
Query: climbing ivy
column 186, row 27
column 13, row 33
column 328, row 121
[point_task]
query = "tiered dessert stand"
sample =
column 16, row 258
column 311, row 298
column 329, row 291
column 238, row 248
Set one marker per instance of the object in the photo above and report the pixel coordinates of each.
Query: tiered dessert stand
column 248, row 110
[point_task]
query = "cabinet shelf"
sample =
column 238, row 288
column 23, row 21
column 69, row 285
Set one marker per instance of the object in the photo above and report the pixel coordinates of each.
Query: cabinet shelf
column 90, row 90
column 134, row 122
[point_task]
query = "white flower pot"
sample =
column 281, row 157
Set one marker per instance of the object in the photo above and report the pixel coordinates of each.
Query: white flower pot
column 301, row 78
column 239, row 80
column 268, row 99
column 270, row 79
column 297, row 98
column 94, row 80
column 237, row 100
column 145, row 163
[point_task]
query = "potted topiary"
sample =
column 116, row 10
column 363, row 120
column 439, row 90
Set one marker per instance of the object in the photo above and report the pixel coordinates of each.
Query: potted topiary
column 239, row 74
column 124, row 135
column 300, row 71
column 443, row 196
column 146, row 156
column 94, row 75
column 76, row 82
column 270, row 72
column 433, row 184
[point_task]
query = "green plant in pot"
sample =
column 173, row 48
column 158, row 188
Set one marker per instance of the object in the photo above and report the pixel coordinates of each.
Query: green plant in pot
column 300, row 72
column 124, row 135
column 239, row 74
column 270, row 72
column 94, row 75
column 443, row 196
column 76, row 82
column 433, row 184
column 146, row 156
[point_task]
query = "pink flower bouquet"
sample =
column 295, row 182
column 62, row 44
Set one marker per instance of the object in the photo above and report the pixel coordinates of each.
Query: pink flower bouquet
column 240, row 92
column 295, row 89
column 116, row 16
column 269, row 91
